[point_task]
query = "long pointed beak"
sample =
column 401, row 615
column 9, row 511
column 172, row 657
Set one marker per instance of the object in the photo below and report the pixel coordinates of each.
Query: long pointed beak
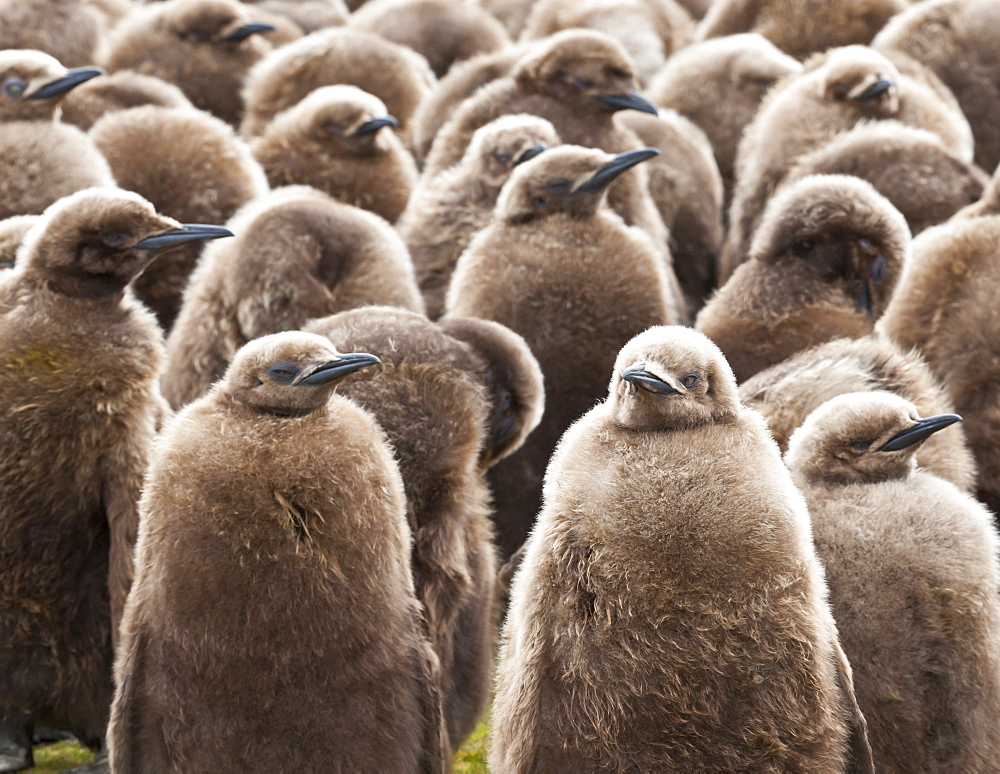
column 880, row 86
column 528, row 155
column 920, row 431
column 71, row 80
column 606, row 174
column 864, row 298
column 640, row 377
column 631, row 101
column 244, row 32
column 374, row 125
column 180, row 236
column 338, row 369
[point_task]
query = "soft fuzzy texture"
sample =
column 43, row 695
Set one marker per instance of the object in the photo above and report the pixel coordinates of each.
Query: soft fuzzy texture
column 73, row 31
column 119, row 91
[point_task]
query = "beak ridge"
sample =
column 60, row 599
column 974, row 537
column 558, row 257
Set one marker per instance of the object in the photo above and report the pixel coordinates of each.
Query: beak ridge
column 369, row 127
column 640, row 377
column 880, row 86
column 919, row 432
column 334, row 370
column 606, row 174
column 180, row 236
column 244, row 32
column 632, row 100
column 71, row 80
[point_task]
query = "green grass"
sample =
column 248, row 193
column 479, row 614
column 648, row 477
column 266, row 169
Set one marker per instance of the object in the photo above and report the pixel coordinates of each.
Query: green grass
column 471, row 758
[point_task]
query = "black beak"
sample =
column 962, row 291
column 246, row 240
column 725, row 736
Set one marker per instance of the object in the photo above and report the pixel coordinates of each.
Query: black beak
column 180, row 236
column 529, row 154
column 71, row 80
column 864, row 298
column 880, row 86
column 631, row 101
column 338, row 369
column 640, row 377
column 244, row 32
column 606, row 174
column 374, row 125
column 923, row 429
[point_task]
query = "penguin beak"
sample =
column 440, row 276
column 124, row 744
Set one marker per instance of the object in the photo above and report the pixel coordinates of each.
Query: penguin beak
column 244, row 32
column 529, row 154
column 606, row 174
column 633, row 100
column 640, row 377
column 71, row 80
column 925, row 428
column 368, row 127
column 180, row 236
column 335, row 370
column 876, row 273
column 880, row 86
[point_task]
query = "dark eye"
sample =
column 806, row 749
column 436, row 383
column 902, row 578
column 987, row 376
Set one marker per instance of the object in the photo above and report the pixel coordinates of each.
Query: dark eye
column 802, row 247
column 335, row 128
column 690, row 380
column 539, row 201
column 503, row 157
column 282, row 373
column 113, row 238
column 201, row 36
column 859, row 446
column 558, row 186
column 583, row 83
column 14, row 87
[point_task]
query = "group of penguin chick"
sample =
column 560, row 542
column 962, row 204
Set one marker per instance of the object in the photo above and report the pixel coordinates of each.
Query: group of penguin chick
column 650, row 321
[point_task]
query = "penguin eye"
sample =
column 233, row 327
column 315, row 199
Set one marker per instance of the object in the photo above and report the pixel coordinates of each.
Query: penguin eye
column 558, row 186
column 583, row 83
column 689, row 380
column 859, row 446
column 282, row 373
column 200, row 35
column 539, row 201
column 113, row 238
column 334, row 128
column 802, row 246
column 503, row 157
column 14, row 87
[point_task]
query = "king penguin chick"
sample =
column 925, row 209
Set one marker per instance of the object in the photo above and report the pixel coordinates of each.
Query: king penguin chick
column 569, row 276
column 834, row 92
column 670, row 613
column 988, row 203
column 80, row 408
column 442, row 31
column 299, row 255
column 578, row 80
column 801, row 27
column 307, row 15
column 273, row 625
column 960, row 41
column 910, row 167
column 912, row 566
column 944, row 306
column 201, row 172
column 822, row 265
column 446, row 212
column 788, row 392
column 42, row 158
column 719, row 84
column 72, row 31
column 205, row 47
column 395, row 74
column 119, row 91
column 339, row 140
column 650, row 30
column 12, row 233
column 453, row 400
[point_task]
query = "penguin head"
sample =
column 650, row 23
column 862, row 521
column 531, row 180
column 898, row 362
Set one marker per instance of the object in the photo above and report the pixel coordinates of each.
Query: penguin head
column 91, row 244
column 341, row 119
column 587, row 70
column 672, row 377
column 839, row 232
column 32, row 84
column 500, row 146
column 861, row 79
column 289, row 374
column 861, row 437
column 570, row 180
column 224, row 25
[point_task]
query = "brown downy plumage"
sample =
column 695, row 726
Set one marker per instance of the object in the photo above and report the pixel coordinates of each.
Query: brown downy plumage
column 80, row 407
column 944, row 306
column 339, row 141
column 801, row 27
column 719, row 84
column 205, row 47
column 670, row 613
column 72, row 31
column 834, row 92
column 442, row 31
column 650, row 30
column 453, row 400
column 12, row 232
column 200, row 173
column 118, row 91
column 42, row 158
column 789, row 391
column 823, row 265
column 685, row 183
column 307, row 15
column 988, row 203
column 395, row 74
column 511, row 13
column 446, row 212
column 576, row 79
column 909, row 167
column 565, row 272
column 912, row 567
column 273, row 625
column 298, row 255
column 960, row 41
